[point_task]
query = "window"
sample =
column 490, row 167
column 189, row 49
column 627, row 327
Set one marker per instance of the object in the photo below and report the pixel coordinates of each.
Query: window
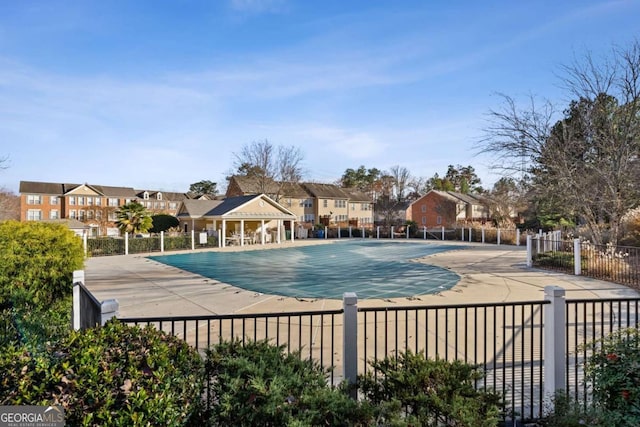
column 72, row 214
column 162, row 205
column 424, row 208
column 173, row 205
column 72, row 201
column 159, row 196
column 145, row 195
column 439, row 220
column 325, row 203
column 90, row 201
column 54, row 214
column 365, row 207
column 80, row 200
column 424, row 220
column 34, row 215
column 353, row 206
column 98, row 201
column 155, row 205
column 308, row 218
column 34, row 199
column 340, row 203
column 89, row 214
column 113, row 201
column 127, row 201
column 112, row 216
column 149, row 205
column 81, row 215
column 53, row 200
column 98, row 215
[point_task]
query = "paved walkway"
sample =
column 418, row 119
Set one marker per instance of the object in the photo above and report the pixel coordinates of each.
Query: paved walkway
column 488, row 273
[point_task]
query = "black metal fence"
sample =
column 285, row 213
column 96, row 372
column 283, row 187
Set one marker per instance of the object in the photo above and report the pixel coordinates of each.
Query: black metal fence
column 618, row 264
column 505, row 339
column 156, row 242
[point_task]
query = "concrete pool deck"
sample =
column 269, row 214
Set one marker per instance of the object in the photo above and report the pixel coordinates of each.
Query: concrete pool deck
column 488, row 273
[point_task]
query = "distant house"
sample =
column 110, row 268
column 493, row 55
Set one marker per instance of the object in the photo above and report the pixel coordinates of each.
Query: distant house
column 93, row 205
column 447, row 208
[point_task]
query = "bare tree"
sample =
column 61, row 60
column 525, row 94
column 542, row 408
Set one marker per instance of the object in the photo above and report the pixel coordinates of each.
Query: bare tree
column 588, row 161
column 401, row 177
column 9, row 205
column 269, row 168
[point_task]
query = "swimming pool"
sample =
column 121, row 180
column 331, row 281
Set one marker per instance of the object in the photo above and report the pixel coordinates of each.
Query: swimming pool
column 370, row 269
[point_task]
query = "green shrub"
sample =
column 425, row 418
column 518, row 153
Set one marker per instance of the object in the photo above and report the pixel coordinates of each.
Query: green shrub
column 613, row 371
column 430, row 392
column 114, row 375
column 163, row 222
column 570, row 413
column 37, row 261
column 259, row 384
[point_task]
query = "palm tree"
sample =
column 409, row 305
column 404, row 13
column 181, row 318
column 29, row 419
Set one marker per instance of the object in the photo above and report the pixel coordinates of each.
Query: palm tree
column 133, row 218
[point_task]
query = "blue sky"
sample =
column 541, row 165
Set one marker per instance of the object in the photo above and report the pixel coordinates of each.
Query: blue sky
column 160, row 94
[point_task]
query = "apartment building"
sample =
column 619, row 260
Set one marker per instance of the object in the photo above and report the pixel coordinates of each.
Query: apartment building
column 446, row 208
column 94, row 205
column 312, row 203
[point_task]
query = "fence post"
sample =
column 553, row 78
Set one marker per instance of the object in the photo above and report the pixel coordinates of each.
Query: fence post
column 84, row 241
column 392, row 231
column 577, row 257
column 350, row 340
column 462, row 236
column 108, row 309
column 517, row 237
column 126, row 243
column 483, row 234
column 350, row 235
column 529, row 251
column 470, row 234
column 498, row 237
column 408, row 230
column 363, row 235
column 339, row 232
column 326, row 232
column 378, row 232
column 443, row 233
column 162, row 241
column 78, row 277
column 424, row 232
column 554, row 342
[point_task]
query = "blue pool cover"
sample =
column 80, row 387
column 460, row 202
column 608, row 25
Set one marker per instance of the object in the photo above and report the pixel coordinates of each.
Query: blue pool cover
column 370, row 269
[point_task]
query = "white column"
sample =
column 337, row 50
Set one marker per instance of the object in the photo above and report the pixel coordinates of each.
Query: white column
column 223, row 235
column 278, row 239
column 350, row 235
column 84, row 241
column 162, row 241
column 339, row 232
column 262, row 232
column 378, row 232
column 529, row 251
column 193, row 239
column 443, row 233
column 462, row 230
column 424, row 232
column 483, row 234
column 326, row 232
column 220, row 238
column 498, row 236
column 407, row 231
column 470, row 234
column 126, row 243
column 292, row 229
column 242, row 232
column 392, row 231
column 517, row 237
